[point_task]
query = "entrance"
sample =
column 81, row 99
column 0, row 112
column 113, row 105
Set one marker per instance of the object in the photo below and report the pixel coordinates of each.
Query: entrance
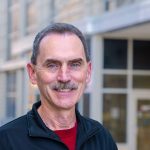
column 142, row 101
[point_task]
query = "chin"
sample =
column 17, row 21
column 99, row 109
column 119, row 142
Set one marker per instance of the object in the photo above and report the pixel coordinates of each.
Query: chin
column 66, row 103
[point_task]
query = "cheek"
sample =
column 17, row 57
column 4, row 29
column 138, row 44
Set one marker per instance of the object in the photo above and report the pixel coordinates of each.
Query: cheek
column 79, row 77
column 45, row 78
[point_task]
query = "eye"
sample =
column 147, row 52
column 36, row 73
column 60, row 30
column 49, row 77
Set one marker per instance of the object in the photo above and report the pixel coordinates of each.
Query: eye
column 75, row 65
column 53, row 66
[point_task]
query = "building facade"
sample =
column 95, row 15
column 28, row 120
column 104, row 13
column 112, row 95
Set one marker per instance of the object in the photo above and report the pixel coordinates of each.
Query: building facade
column 118, row 36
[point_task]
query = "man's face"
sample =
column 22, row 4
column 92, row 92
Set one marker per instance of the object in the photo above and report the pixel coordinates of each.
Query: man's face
column 62, row 71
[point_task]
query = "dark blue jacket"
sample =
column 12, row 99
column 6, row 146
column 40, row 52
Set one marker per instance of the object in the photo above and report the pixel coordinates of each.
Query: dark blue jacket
column 30, row 133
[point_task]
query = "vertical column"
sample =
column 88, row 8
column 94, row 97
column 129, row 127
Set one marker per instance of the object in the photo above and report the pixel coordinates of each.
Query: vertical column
column 96, row 105
column 23, row 17
column 25, row 87
column 19, row 85
column 46, row 12
column 3, row 21
column 49, row 11
column 4, row 54
column 2, row 96
column 5, row 30
column 80, row 105
column 41, row 14
column 131, row 116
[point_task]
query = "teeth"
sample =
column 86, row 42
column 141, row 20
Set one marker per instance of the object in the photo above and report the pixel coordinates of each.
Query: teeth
column 64, row 90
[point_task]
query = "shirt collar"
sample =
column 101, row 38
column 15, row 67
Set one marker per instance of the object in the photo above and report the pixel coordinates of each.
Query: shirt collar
column 36, row 126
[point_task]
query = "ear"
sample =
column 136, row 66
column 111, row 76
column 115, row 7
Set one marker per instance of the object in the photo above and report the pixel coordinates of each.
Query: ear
column 31, row 73
column 89, row 71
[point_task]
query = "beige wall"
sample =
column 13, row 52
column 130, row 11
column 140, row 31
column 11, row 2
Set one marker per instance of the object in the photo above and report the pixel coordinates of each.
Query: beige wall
column 74, row 10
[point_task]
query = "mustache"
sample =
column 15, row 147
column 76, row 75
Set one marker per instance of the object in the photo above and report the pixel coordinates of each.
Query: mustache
column 64, row 85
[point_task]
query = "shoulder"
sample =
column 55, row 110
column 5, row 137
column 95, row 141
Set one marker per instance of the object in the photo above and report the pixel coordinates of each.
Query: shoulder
column 99, row 132
column 90, row 123
column 15, row 125
column 93, row 124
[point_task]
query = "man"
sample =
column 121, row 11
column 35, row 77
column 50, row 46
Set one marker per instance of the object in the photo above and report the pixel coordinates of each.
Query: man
column 61, row 68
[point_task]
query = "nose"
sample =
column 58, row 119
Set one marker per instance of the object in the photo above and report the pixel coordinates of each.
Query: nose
column 64, row 74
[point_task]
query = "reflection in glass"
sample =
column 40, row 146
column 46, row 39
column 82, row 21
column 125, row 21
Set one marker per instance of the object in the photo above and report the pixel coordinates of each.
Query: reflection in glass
column 11, row 95
column 115, row 81
column 142, row 82
column 141, row 53
column 114, row 115
column 143, row 138
column 86, row 104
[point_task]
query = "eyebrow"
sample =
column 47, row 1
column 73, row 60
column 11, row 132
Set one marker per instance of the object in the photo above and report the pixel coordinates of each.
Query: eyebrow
column 76, row 60
column 59, row 61
column 50, row 61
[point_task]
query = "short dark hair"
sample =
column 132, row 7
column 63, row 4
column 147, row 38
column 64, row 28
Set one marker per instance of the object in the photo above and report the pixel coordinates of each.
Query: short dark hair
column 59, row 28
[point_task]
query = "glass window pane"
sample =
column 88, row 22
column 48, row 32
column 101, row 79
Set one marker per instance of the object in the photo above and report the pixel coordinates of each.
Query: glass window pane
column 140, row 81
column 10, row 112
column 11, row 94
column 143, row 130
column 86, row 104
column 114, row 115
column 88, row 41
column 115, row 81
column 115, row 54
column 11, row 2
column 15, row 15
column 31, row 16
column 141, row 53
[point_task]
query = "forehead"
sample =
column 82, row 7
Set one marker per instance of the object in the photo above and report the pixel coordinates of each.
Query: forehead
column 62, row 46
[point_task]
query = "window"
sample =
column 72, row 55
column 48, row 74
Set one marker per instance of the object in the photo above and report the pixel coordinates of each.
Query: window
column 114, row 115
column 115, row 54
column 115, row 81
column 88, row 42
column 141, row 53
column 108, row 5
column 141, row 81
column 86, row 104
column 12, row 2
column 14, row 21
column 31, row 16
column 11, row 95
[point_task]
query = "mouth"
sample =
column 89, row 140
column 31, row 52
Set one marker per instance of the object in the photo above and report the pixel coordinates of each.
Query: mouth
column 64, row 93
column 64, row 87
column 63, row 90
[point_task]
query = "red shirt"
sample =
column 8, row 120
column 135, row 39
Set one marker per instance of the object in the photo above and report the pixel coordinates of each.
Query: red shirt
column 68, row 137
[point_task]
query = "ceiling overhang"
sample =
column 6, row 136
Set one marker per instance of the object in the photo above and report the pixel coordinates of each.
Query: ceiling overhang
column 132, row 21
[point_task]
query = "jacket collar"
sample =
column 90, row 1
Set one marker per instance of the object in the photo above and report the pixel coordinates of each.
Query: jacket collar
column 86, row 129
column 37, row 128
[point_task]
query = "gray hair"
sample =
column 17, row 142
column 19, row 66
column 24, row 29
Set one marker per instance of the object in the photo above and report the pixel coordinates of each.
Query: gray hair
column 59, row 28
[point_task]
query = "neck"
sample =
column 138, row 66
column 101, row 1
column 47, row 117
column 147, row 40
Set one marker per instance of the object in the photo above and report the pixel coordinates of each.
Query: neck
column 59, row 120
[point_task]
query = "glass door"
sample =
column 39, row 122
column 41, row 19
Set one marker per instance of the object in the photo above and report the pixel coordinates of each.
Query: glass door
column 143, row 121
column 143, row 124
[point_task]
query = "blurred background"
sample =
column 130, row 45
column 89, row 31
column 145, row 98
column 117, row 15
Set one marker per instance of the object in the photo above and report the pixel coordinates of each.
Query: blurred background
column 118, row 37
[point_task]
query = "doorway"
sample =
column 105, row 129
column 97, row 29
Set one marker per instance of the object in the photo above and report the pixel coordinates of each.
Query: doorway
column 142, row 122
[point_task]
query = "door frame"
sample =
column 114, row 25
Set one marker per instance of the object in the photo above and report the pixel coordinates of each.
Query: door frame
column 136, row 95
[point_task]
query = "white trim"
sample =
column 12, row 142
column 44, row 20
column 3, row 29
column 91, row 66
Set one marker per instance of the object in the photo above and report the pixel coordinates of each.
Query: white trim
column 136, row 95
column 13, row 65
column 121, row 18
